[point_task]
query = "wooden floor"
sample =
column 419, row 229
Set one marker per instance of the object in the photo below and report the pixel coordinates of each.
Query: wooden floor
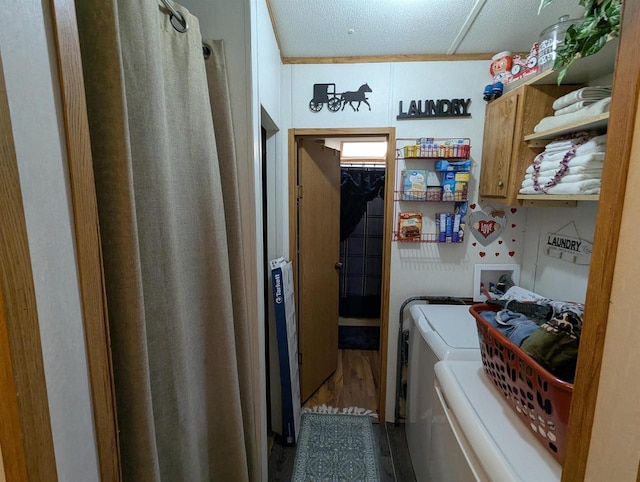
column 354, row 383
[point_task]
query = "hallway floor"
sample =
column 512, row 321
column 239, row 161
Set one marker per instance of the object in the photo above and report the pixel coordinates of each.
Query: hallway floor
column 391, row 448
column 353, row 384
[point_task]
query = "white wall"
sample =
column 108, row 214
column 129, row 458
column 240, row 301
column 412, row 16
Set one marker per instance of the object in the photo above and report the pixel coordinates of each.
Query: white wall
column 269, row 79
column 269, row 64
column 27, row 49
column 416, row 269
column 549, row 276
column 436, row 269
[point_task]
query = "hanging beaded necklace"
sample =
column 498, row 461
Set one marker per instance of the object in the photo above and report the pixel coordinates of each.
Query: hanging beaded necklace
column 563, row 167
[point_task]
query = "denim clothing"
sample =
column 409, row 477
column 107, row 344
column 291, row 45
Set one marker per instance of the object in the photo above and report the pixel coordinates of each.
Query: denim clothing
column 515, row 326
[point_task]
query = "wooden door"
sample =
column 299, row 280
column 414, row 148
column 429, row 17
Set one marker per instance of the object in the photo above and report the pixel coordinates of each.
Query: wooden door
column 318, row 253
column 497, row 148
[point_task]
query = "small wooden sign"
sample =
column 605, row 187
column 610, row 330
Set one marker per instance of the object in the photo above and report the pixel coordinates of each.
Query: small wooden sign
column 569, row 248
column 434, row 108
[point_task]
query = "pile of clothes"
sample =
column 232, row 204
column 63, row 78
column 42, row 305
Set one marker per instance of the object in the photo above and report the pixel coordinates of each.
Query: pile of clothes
column 547, row 330
column 576, row 106
column 569, row 165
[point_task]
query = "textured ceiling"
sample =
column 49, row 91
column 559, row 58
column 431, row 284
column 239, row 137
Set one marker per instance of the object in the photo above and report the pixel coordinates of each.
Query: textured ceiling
column 345, row 28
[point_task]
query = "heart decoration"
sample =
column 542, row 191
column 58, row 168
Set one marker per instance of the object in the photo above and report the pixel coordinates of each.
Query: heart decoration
column 514, row 210
column 482, row 254
column 497, row 254
column 472, row 206
column 513, row 225
column 500, row 242
column 511, row 253
column 486, row 228
column 513, row 240
column 474, row 244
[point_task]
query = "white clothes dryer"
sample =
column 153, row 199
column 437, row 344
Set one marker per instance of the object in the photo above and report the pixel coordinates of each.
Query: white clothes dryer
column 476, row 436
column 436, row 332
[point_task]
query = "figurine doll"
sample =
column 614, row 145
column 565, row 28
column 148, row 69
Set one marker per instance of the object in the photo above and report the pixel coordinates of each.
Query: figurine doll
column 500, row 69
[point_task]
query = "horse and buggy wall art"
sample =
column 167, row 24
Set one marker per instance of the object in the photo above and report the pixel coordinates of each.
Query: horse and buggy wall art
column 326, row 94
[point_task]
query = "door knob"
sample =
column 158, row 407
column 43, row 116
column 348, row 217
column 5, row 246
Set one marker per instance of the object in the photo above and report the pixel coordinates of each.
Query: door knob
column 338, row 265
column 500, row 183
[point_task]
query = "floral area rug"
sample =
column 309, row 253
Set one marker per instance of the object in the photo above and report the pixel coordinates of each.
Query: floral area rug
column 335, row 447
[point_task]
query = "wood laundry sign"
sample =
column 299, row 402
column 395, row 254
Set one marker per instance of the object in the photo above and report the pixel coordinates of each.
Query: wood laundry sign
column 569, row 248
column 434, row 108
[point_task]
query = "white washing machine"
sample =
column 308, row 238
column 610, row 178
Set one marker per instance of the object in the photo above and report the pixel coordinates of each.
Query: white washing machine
column 476, row 436
column 436, row 332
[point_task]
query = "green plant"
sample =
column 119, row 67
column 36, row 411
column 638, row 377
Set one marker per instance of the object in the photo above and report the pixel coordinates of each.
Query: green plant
column 600, row 23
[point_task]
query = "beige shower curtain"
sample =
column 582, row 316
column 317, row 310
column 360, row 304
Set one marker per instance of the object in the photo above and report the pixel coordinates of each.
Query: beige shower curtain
column 169, row 220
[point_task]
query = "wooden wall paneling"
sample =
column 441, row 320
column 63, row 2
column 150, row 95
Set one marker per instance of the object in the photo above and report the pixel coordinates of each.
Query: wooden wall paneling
column 25, row 426
column 87, row 237
column 2, row 476
column 624, row 106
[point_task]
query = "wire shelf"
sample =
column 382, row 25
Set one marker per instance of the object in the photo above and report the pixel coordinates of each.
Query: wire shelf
column 432, row 194
column 425, row 238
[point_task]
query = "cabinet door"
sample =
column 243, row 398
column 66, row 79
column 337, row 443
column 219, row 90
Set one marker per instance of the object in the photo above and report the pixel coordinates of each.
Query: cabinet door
column 497, row 150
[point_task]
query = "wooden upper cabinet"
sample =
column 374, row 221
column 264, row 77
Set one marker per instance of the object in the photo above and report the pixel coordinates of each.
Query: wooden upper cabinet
column 498, row 144
column 505, row 154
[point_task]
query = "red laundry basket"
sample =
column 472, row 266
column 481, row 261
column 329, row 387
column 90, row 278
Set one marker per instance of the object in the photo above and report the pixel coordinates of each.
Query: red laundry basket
column 541, row 400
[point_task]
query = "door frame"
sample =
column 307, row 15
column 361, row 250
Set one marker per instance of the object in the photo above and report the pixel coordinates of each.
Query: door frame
column 87, row 237
column 390, row 134
column 26, row 438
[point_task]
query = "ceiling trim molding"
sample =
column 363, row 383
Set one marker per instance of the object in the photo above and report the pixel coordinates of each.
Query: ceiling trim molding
column 387, row 58
column 468, row 23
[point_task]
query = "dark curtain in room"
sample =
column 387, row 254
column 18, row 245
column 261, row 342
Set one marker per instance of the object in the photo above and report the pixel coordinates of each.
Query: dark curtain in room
column 361, row 230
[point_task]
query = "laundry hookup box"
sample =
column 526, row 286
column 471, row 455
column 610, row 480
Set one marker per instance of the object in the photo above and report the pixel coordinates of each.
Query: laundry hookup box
column 286, row 333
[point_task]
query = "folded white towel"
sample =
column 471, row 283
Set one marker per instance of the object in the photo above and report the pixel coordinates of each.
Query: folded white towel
column 593, row 172
column 594, row 160
column 575, row 106
column 554, row 122
column 591, row 186
column 564, row 144
column 577, row 139
column 528, row 181
column 575, row 171
column 586, row 93
column 600, row 140
column 583, row 150
column 548, row 179
column 591, row 148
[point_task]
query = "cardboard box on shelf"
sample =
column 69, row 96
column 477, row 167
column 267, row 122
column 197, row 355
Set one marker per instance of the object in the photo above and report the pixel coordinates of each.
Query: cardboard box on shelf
column 414, row 184
column 410, row 227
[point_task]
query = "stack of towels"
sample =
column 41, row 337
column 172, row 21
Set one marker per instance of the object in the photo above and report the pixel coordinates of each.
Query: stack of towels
column 567, row 166
column 576, row 106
